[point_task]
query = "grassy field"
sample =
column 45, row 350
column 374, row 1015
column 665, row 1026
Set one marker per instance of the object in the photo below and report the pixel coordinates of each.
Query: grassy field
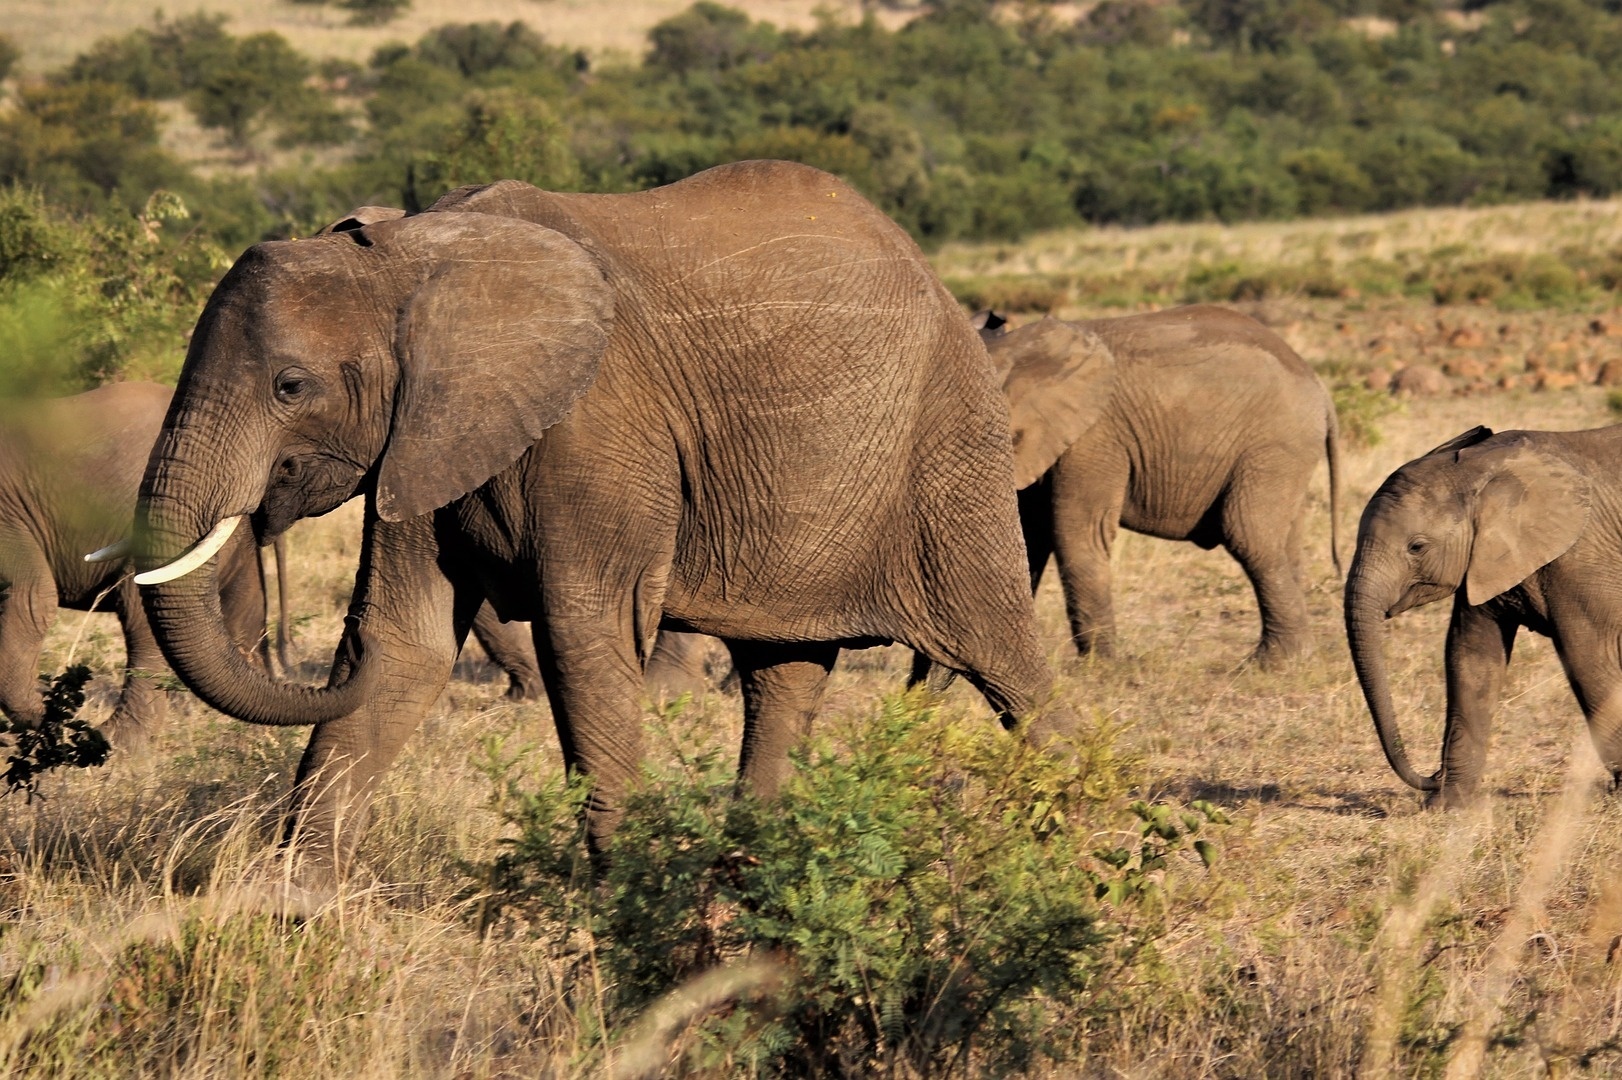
column 1344, row 932
column 52, row 32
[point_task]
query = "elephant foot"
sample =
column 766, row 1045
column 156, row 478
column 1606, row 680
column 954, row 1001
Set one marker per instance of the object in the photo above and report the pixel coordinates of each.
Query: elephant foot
column 1280, row 654
column 1453, row 797
column 128, row 735
column 524, row 686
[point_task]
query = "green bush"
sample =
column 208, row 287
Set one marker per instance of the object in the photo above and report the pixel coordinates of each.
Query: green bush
column 1359, row 412
column 928, row 891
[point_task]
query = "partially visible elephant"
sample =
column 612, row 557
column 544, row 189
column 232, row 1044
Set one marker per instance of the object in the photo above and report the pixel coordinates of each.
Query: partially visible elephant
column 1195, row 423
column 679, row 663
column 70, row 469
column 741, row 405
column 1522, row 528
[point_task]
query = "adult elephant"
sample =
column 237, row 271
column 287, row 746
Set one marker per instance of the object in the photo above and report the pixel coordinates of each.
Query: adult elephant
column 70, row 469
column 741, row 404
column 1520, row 529
column 1195, row 423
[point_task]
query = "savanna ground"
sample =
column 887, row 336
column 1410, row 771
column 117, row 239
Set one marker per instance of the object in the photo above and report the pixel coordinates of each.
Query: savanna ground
column 1342, row 931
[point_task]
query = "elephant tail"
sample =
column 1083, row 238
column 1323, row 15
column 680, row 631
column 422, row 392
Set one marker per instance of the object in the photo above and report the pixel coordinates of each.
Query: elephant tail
column 1332, row 453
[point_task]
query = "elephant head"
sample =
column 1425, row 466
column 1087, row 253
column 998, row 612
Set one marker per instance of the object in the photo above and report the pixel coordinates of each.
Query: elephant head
column 407, row 359
column 1057, row 377
column 1481, row 512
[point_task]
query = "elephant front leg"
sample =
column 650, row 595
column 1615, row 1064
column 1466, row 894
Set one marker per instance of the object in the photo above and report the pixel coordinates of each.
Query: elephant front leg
column 1086, row 515
column 1479, row 644
column 782, row 690
column 407, row 618
column 593, row 678
column 142, row 704
column 27, row 609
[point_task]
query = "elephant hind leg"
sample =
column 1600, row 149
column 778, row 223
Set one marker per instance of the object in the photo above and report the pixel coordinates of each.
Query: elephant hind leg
column 1255, row 535
column 676, row 666
column 27, row 609
column 510, row 649
column 782, row 688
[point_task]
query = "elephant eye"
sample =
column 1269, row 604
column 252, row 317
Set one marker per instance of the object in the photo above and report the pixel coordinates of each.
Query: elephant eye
column 1418, row 545
column 291, row 385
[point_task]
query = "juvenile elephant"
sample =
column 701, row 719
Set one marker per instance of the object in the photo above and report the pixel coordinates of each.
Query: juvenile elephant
column 70, row 469
column 741, row 404
column 1196, row 423
column 1521, row 529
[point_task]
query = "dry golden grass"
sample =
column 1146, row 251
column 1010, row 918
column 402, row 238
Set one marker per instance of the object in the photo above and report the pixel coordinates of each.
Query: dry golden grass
column 1348, row 926
column 1516, row 229
column 52, row 32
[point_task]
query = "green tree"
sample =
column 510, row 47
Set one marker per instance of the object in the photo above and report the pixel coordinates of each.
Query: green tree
column 502, row 135
column 263, row 71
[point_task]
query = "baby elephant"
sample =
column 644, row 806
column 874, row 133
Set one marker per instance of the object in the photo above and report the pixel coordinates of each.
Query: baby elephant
column 1196, row 423
column 1521, row 529
column 69, row 472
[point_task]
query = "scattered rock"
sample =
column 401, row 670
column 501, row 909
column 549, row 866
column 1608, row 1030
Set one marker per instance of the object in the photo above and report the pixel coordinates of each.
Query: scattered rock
column 1466, row 337
column 1465, row 367
column 1554, row 380
column 1378, row 379
column 1610, row 373
column 1606, row 326
column 1509, row 382
column 1419, row 380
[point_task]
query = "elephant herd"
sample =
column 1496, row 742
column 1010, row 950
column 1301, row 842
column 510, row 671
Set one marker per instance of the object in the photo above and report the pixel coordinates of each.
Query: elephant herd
column 739, row 407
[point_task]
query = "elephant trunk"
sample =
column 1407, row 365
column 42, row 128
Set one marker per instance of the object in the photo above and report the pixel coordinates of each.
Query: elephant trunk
column 188, row 621
column 1366, row 605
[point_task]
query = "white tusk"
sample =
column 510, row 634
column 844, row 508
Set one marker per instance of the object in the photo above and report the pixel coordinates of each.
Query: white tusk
column 112, row 552
column 202, row 551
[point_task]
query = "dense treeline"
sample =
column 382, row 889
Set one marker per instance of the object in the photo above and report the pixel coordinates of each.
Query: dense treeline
column 968, row 122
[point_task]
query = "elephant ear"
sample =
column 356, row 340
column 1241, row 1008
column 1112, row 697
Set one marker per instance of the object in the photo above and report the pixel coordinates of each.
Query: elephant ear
column 360, row 217
column 1058, row 381
column 1462, row 441
column 989, row 324
column 1530, row 509
column 504, row 332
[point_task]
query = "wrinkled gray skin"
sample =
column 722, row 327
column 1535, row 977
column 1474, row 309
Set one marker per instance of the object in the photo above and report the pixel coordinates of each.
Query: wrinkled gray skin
column 1522, row 528
column 1195, row 423
column 741, row 405
column 69, row 472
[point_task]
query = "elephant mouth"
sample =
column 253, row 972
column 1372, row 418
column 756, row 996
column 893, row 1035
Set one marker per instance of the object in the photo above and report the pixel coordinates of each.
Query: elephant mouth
column 1418, row 595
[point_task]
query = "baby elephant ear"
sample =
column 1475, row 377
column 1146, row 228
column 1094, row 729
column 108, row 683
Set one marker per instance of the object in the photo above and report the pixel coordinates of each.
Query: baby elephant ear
column 1058, row 383
column 505, row 332
column 360, row 217
column 1479, row 433
column 1530, row 510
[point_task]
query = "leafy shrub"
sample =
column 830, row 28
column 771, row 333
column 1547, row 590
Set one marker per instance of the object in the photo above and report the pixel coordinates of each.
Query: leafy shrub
column 930, row 889
column 60, row 740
